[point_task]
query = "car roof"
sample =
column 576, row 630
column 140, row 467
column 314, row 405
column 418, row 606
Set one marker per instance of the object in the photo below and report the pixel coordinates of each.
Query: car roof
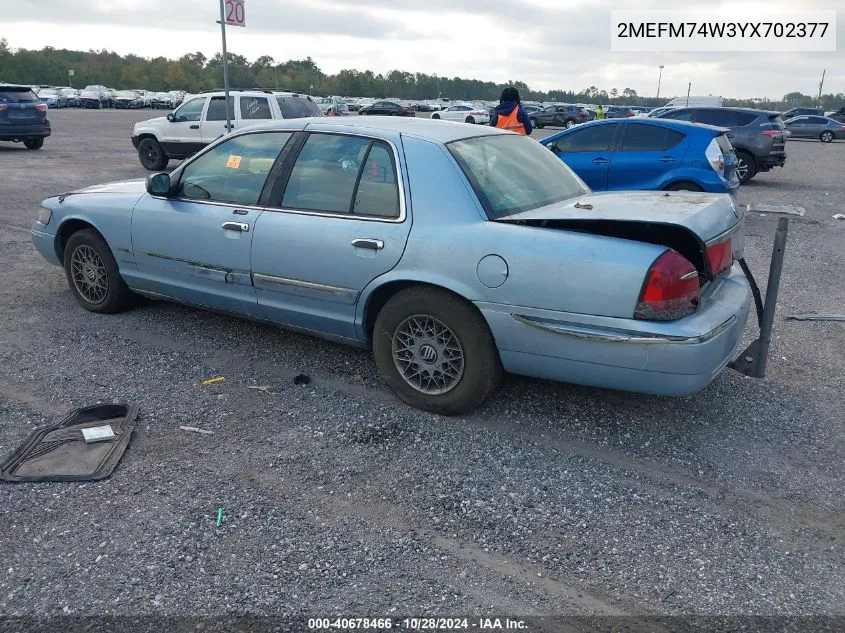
column 670, row 123
column 438, row 131
column 15, row 88
column 748, row 110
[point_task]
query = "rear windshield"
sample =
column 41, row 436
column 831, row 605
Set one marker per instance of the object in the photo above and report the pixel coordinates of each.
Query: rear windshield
column 298, row 107
column 511, row 173
column 776, row 122
column 17, row 96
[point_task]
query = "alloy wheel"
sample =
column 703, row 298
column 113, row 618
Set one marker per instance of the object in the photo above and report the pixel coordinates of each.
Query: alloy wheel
column 89, row 274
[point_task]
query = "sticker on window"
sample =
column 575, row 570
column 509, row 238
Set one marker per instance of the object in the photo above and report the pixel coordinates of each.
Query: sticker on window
column 234, row 161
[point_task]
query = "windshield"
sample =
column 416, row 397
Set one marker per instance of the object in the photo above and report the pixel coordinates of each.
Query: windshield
column 512, row 173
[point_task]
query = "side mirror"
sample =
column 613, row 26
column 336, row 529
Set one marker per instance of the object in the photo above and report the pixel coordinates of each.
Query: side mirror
column 158, row 184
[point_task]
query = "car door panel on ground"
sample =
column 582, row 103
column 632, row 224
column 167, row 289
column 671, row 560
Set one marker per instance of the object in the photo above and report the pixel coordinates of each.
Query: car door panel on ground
column 645, row 156
column 341, row 223
column 183, row 136
column 196, row 245
column 588, row 152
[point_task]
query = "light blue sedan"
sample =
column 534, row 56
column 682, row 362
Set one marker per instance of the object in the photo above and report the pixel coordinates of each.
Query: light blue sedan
column 453, row 251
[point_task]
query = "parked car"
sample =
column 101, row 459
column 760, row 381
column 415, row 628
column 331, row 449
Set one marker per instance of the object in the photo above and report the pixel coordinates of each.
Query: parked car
column 202, row 119
column 757, row 135
column 386, row 108
column 333, row 106
column 128, row 99
column 72, row 96
column 352, row 105
column 561, row 116
column 619, row 112
column 93, row 98
column 373, row 238
column 23, row 118
column 837, row 115
column 695, row 101
column 52, row 98
column 162, row 100
column 464, row 112
column 794, row 112
column 637, row 153
column 819, row 127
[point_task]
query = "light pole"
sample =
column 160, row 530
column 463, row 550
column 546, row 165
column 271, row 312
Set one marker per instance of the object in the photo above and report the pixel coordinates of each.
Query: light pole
column 689, row 87
column 659, row 77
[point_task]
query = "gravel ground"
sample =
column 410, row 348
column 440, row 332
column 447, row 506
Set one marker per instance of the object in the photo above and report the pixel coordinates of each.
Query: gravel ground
column 550, row 499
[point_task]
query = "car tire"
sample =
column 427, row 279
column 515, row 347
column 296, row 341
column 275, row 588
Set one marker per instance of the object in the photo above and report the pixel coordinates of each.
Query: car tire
column 746, row 166
column 34, row 143
column 435, row 116
column 534, row 123
column 435, row 315
column 826, row 136
column 151, row 154
column 569, row 123
column 470, row 120
column 683, row 186
column 92, row 274
column 538, row 125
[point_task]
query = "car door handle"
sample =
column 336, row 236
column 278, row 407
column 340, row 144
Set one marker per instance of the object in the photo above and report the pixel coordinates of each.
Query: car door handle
column 729, row 135
column 600, row 161
column 371, row 244
column 240, row 227
column 194, row 127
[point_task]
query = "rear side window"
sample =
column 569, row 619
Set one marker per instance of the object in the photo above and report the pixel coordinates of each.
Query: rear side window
column 217, row 111
column 817, row 120
column 255, row 108
column 378, row 192
column 17, row 96
column 298, row 107
column 233, row 171
column 593, row 138
column 655, row 138
column 724, row 118
column 678, row 115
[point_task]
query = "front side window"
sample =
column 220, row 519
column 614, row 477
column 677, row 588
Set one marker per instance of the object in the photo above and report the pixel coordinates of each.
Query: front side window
column 233, row 171
column 255, row 108
column 343, row 174
column 512, row 173
column 679, row 115
column 593, row 138
column 217, row 110
column 191, row 111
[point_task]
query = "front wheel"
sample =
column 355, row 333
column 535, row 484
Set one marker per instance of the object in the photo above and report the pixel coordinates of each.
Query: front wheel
column 435, row 351
column 92, row 274
column 152, row 155
column 34, row 143
column 826, row 136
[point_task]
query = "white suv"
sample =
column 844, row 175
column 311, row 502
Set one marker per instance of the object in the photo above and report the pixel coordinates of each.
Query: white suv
column 202, row 118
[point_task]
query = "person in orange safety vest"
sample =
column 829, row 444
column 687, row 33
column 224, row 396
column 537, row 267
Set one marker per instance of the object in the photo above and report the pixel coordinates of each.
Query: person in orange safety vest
column 509, row 115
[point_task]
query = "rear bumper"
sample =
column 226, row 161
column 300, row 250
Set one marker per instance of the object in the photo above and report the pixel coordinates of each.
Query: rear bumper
column 662, row 358
column 10, row 132
column 775, row 159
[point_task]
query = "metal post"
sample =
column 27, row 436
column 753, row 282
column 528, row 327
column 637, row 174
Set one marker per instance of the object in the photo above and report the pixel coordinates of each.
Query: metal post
column 225, row 67
column 772, row 288
column 659, row 78
column 821, row 85
column 689, row 87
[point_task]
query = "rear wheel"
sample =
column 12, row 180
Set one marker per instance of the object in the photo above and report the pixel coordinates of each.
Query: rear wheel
column 569, row 123
column 826, row 136
column 435, row 116
column 92, row 274
column 683, row 186
column 746, row 166
column 436, row 351
column 34, row 143
column 152, row 155
column 469, row 119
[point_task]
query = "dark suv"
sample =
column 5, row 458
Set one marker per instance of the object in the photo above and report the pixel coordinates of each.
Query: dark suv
column 757, row 135
column 561, row 116
column 802, row 112
column 23, row 118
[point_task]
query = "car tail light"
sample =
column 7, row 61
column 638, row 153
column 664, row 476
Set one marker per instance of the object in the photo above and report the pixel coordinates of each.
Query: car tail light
column 2, row 106
column 670, row 290
column 770, row 132
column 629, row 113
column 715, row 157
column 720, row 257
column 41, row 106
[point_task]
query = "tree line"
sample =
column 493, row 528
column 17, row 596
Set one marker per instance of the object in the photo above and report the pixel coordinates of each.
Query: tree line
column 194, row 72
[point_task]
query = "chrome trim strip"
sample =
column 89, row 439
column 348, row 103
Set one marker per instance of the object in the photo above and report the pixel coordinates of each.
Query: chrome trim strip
column 624, row 337
column 724, row 234
column 283, row 281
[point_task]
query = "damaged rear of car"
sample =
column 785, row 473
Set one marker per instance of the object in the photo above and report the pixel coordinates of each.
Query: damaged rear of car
column 629, row 290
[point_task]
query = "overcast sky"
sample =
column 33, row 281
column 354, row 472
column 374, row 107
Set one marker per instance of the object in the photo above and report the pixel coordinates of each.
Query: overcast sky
column 546, row 43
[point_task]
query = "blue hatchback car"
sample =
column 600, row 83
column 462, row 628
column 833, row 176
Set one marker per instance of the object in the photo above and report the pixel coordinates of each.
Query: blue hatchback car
column 649, row 154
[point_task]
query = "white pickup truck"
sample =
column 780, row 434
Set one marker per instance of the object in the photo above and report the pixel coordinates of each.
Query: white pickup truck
column 202, row 118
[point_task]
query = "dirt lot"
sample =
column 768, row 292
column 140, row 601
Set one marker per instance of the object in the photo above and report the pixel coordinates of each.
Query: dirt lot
column 551, row 499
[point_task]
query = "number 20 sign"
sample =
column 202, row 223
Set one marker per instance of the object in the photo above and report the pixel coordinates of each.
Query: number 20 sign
column 234, row 13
